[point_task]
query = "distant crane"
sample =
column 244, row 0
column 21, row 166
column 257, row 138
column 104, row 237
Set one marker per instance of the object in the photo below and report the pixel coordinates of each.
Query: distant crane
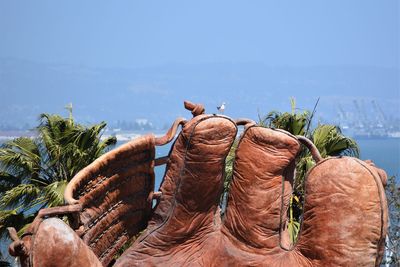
column 381, row 118
column 343, row 117
column 362, row 118
column 342, row 114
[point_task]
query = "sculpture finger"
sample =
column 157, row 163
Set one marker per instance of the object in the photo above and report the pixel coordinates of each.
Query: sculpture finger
column 263, row 166
column 345, row 216
column 185, row 215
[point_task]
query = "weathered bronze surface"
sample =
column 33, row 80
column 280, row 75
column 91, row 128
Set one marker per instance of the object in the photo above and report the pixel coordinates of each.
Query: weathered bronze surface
column 110, row 201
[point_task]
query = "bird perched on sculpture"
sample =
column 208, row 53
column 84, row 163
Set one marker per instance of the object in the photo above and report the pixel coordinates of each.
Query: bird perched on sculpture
column 221, row 108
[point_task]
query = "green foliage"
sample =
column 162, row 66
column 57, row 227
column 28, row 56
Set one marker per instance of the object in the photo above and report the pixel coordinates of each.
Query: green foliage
column 293, row 224
column 331, row 142
column 228, row 176
column 294, row 122
column 34, row 172
column 229, row 166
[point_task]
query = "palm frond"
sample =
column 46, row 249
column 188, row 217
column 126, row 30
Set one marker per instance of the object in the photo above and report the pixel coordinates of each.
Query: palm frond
column 21, row 194
column 54, row 193
column 35, row 172
column 331, row 142
column 295, row 123
column 20, row 157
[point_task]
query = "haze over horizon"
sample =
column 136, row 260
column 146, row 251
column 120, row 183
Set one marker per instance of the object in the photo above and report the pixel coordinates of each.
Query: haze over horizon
column 134, row 59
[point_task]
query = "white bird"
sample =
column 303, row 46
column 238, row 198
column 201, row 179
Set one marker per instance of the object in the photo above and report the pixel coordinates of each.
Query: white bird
column 221, row 108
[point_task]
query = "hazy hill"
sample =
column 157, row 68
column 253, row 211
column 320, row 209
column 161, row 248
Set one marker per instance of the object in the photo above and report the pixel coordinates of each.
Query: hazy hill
column 156, row 93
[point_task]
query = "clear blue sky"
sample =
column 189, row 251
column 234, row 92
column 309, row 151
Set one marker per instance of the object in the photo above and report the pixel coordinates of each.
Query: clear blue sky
column 147, row 33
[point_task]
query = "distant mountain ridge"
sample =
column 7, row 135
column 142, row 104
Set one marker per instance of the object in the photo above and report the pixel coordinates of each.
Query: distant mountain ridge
column 156, row 93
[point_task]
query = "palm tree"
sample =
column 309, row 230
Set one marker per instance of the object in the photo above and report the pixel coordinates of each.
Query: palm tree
column 34, row 172
column 294, row 122
column 327, row 138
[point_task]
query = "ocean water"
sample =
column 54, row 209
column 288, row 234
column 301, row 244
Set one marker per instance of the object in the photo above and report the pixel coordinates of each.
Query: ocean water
column 160, row 170
column 385, row 153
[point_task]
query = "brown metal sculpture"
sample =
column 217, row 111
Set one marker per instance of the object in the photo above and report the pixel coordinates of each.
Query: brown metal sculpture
column 110, row 202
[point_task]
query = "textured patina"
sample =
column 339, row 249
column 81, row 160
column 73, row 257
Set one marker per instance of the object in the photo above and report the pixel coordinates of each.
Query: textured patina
column 345, row 209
